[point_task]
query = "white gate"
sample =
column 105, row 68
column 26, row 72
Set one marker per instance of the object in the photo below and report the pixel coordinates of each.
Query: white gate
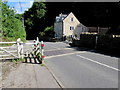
column 11, row 52
column 16, row 51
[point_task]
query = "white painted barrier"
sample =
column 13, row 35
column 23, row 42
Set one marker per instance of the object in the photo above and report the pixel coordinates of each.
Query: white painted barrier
column 38, row 49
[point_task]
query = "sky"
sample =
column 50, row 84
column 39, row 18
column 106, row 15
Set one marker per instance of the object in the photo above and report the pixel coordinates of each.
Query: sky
column 25, row 4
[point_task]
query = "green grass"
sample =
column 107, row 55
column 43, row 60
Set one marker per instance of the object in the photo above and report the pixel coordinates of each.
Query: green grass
column 18, row 60
column 42, row 64
column 15, row 61
column 9, row 39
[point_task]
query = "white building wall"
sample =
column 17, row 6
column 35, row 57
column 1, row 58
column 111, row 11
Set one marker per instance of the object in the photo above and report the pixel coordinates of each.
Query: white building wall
column 63, row 28
column 68, row 23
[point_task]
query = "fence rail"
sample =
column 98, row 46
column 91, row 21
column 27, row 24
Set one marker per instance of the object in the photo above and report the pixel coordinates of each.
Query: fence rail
column 37, row 50
column 8, row 42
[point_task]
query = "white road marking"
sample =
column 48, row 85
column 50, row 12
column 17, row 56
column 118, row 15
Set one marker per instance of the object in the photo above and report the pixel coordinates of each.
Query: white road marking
column 98, row 63
column 53, row 46
column 63, row 55
column 59, row 49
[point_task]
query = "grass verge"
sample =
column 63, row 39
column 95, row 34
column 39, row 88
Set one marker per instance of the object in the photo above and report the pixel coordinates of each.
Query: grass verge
column 9, row 39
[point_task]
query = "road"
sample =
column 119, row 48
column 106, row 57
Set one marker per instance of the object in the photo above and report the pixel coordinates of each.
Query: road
column 81, row 68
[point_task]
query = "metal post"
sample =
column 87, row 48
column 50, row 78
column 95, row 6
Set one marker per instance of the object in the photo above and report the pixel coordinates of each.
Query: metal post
column 42, row 50
column 96, row 41
column 98, row 30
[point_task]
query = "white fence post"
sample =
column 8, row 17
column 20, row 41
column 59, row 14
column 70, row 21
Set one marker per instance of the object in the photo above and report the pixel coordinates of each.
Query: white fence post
column 37, row 39
column 18, row 47
column 42, row 50
column 22, row 53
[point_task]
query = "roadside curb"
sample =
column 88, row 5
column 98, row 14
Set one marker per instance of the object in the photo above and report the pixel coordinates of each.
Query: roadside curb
column 53, row 75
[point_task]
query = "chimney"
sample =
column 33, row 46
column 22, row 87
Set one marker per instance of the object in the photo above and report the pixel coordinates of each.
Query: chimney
column 60, row 14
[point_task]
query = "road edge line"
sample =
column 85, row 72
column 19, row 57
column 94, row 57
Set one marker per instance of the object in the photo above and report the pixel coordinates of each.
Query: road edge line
column 98, row 63
column 55, row 78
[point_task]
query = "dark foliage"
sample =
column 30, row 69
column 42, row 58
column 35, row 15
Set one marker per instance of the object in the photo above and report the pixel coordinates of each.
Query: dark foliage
column 104, row 14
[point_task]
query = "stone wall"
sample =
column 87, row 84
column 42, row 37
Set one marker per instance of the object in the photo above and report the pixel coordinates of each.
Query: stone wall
column 102, row 42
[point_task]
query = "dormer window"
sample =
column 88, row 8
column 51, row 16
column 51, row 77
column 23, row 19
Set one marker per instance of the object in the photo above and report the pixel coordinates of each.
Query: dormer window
column 72, row 19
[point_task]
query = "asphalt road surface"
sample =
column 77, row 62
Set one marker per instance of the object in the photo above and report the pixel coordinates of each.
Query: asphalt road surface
column 81, row 68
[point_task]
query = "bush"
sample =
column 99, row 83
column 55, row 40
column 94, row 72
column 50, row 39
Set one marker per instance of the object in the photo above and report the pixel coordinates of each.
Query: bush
column 11, row 26
column 49, row 31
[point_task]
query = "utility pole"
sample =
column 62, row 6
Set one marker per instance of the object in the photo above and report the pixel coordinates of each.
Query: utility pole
column 23, row 21
column 23, row 15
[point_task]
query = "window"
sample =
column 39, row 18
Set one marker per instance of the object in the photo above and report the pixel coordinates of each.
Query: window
column 71, row 27
column 71, row 19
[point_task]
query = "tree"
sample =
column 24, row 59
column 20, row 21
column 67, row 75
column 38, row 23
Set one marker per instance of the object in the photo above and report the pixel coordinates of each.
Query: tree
column 33, row 19
column 49, row 31
column 11, row 26
column 41, row 34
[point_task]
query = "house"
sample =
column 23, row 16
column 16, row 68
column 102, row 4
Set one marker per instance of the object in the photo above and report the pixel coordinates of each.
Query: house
column 68, row 26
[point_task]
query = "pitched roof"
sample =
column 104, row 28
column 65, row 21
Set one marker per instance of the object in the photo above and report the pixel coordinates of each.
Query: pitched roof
column 61, row 17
